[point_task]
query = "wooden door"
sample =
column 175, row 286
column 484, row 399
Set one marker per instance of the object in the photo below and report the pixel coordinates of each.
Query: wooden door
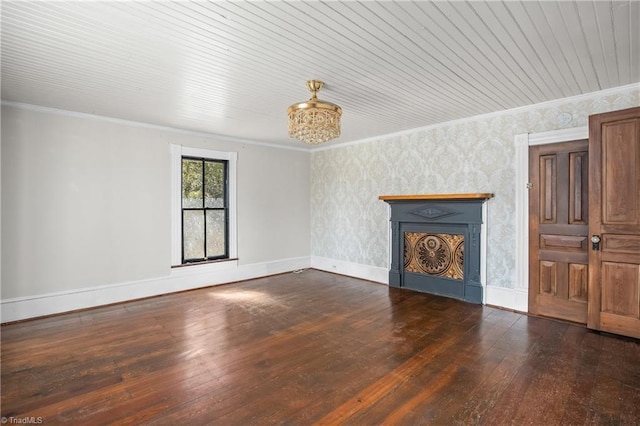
column 558, row 230
column 614, row 205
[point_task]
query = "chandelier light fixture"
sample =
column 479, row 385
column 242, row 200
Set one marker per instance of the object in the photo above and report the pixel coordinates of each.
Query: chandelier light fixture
column 314, row 121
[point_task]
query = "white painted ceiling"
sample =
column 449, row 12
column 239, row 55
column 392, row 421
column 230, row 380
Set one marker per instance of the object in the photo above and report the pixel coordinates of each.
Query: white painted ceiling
column 233, row 68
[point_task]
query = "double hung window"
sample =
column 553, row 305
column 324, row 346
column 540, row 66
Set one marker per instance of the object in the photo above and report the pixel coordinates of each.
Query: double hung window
column 203, row 205
column 205, row 228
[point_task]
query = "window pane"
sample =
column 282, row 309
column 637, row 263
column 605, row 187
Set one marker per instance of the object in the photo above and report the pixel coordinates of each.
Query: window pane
column 214, row 184
column 193, row 234
column 215, row 233
column 191, row 183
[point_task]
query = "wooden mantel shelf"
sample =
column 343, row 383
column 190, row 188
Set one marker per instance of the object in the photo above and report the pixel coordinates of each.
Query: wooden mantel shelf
column 479, row 196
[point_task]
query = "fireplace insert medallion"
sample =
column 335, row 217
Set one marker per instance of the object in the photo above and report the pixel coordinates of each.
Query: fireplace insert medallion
column 436, row 243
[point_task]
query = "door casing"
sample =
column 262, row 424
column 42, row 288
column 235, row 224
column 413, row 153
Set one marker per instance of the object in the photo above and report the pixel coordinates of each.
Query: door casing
column 522, row 144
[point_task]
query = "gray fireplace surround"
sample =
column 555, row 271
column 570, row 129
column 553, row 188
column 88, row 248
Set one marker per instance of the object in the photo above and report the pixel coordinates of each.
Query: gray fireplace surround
column 436, row 243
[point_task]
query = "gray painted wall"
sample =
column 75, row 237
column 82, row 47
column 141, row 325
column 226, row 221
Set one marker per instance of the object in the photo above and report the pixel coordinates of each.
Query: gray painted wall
column 86, row 202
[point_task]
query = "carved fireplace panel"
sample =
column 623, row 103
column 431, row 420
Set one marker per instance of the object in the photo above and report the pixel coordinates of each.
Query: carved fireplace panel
column 434, row 254
column 436, row 244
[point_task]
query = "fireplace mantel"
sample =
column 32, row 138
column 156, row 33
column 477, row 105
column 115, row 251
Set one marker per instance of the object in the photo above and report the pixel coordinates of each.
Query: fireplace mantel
column 437, row 243
column 478, row 196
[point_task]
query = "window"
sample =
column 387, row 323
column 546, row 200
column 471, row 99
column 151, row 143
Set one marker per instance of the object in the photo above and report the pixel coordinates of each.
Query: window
column 204, row 210
column 203, row 200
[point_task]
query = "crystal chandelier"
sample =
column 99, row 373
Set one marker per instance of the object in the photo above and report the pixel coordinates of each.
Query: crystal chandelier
column 314, row 121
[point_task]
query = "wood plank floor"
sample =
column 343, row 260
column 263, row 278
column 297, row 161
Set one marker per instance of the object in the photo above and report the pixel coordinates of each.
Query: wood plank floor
column 314, row 348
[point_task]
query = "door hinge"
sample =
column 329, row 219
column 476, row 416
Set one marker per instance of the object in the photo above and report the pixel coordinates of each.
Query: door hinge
column 529, row 185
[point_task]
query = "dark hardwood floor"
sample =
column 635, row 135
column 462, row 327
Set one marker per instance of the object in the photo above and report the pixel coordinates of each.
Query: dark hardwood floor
column 314, row 348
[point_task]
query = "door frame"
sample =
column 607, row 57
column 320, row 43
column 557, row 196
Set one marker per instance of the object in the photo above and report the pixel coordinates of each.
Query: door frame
column 522, row 143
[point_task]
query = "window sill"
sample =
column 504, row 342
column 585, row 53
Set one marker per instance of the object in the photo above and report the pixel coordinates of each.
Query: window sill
column 204, row 267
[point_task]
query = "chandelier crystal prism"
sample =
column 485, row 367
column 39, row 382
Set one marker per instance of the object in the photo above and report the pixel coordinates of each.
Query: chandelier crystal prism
column 314, row 121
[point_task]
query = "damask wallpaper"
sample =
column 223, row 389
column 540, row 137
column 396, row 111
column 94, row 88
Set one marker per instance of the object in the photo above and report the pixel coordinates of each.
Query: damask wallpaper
column 349, row 223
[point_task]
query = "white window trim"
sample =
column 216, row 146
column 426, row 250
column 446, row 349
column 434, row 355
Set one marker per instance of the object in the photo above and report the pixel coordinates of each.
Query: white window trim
column 177, row 152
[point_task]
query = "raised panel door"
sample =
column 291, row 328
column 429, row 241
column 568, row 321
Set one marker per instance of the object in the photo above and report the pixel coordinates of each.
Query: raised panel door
column 614, row 205
column 558, row 240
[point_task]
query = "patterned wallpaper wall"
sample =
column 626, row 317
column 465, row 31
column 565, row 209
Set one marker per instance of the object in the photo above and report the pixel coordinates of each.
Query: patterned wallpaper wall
column 349, row 223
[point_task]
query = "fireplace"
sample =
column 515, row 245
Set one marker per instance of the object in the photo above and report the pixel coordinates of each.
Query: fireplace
column 436, row 244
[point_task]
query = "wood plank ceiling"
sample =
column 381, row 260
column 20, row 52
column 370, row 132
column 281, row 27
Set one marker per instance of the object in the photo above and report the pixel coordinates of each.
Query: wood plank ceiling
column 233, row 68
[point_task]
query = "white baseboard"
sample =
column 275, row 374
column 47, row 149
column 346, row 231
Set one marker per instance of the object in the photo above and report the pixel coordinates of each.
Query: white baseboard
column 516, row 299
column 357, row 270
column 179, row 279
column 189, row 278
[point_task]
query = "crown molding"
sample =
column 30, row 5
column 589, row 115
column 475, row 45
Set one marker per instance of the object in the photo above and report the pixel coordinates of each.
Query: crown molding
column 629, row 88
column 547, row 104
column 139, row 124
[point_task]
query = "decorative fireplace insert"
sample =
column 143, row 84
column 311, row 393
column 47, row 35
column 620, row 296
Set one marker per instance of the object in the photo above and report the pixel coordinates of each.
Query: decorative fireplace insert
column 436, row 244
